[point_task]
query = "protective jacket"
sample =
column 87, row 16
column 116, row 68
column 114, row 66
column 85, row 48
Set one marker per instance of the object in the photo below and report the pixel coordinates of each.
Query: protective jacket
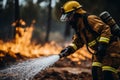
column 111, row 60
column 103, row 35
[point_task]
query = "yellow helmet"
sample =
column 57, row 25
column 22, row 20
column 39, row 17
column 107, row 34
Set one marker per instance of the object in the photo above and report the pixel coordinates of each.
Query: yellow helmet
column 71, row 6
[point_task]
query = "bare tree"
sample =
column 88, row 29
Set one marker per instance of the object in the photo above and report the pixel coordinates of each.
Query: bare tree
column 49, row 22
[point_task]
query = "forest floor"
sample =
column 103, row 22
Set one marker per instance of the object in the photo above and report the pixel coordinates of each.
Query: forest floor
column 65, row 69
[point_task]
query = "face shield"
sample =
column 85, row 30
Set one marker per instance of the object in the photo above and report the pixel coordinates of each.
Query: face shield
column 66, row 16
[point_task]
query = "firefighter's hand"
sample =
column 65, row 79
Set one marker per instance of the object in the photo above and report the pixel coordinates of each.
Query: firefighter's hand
column 66, row 52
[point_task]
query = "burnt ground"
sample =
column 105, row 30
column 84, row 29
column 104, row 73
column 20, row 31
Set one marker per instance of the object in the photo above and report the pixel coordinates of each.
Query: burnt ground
column 65, row 69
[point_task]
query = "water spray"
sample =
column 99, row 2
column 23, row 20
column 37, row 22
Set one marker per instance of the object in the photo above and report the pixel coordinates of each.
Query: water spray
column 28, row 69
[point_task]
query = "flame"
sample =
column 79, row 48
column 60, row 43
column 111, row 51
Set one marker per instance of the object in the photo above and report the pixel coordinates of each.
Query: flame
column 23, row 47
column 81, row 54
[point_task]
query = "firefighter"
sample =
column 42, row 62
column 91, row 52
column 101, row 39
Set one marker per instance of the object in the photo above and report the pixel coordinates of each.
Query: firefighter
column 95, row 34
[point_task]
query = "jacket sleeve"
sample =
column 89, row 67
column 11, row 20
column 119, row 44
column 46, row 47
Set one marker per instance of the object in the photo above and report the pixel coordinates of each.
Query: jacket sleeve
column 76, row 42
column 71, row 48
column 99, row 26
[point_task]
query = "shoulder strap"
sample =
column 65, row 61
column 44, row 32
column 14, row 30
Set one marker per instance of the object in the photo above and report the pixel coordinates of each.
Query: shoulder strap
column 87, row 26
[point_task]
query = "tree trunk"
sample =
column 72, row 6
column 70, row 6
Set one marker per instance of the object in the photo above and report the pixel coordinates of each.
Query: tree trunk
column 49, row 22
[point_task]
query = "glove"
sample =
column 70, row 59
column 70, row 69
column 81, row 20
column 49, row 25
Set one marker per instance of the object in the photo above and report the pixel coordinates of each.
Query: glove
column 66, row 52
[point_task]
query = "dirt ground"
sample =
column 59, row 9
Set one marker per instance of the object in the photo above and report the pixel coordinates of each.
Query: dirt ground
column 65, row 69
